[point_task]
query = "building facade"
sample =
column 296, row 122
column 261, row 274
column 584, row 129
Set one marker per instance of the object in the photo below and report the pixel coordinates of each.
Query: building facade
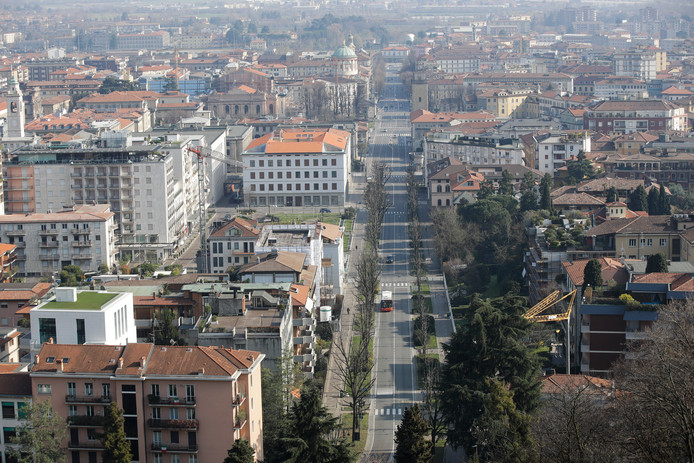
column 297, row 167
column 158, row 388
column 47, row 242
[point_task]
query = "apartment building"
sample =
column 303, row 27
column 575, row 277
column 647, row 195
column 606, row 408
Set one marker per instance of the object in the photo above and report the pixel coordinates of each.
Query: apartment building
column 232, row 244
column 635, row 115
column 47, row 242
column 642, row 64
column 298, row 167
column 670, row 169
column 157, row 387
column 423, row 121
column 481, row 150
column 553, row 150
column 144, row 41
column 15, row 296
column 152, row 188
column 42, row 69
column 15, row 393
column 83, row 317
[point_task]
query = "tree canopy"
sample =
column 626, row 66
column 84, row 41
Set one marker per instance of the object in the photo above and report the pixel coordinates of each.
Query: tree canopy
column 592, row 274
column 411, row 445
column 240, row 452
column 116, row 446
column 657, row 263
column 111, row 84
column 638, row 199
column 491, row 345
column 40, row 437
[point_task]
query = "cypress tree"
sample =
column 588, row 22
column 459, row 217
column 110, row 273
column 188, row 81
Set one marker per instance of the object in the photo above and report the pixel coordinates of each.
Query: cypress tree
column 663, row 201
column 116, row 446
column 653, row 202
column 410, row 441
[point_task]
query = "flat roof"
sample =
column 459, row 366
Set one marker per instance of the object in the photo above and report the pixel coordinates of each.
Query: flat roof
column 86, row 300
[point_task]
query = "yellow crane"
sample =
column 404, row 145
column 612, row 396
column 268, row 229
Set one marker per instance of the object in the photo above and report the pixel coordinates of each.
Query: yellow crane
column 534, row 314
column 553, row 299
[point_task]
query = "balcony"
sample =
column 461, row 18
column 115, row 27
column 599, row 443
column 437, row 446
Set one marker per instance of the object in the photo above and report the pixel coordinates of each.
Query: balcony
column 87, row 445
column 303, row 340
column 49, row 244
column 88, row 399
column 239, row 424
column 15, row 232
column 304, row 321
column 81, row 244
column 174, row 448
column 86, row 421
column 636, row 334
column 239, row 400
column 80, row 231
column 303, row 358
column 50, row 231
column 158, row 400
column 55, row 256
column 81, row 257
column 172, row 424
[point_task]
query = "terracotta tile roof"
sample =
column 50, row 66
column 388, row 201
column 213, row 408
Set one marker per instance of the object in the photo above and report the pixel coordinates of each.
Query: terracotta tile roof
column 577, row 199
column 330, row 231
column 14, row 292
column 612, row 269
column 676, row 91
column 292, row 261
column 14, row 384
column 248, row 228
column 654, row 224
column 299, row 295
column 562, row 384
column 66, row 216
column 144, row 359
column 639, row 137
column 634, row 105
column 7, row 248
column 285, row 141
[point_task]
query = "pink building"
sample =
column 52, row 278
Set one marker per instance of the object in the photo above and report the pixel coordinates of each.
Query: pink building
column 181, row 404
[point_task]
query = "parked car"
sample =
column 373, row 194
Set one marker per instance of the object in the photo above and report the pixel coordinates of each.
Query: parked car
column 325, row 210
column 389, row 259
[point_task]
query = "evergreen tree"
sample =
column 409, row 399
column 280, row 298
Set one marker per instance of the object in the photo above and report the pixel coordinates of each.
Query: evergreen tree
column 111, row 84
column 411, row 443
column 657, row 263
column 580, row 168
column 546, row 193
column 486, row 190
column 116, row 446
column 529, row 198
column 71, row 275
column 492, row 344
column 310, row 433
column 612, row 195
column 240, row 452
column 592, row 274
column 506, row 183
column 638, row 200
column 653, row 202
column 663, row 201
column 165, row 331
column 40, row 437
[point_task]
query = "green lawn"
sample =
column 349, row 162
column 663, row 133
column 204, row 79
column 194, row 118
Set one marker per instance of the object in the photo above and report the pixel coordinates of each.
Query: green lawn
column 86, row 300
column 348, row 224
column 355, row 343
column 420, row 368
column 285, row 218
column 363, row 430
column 494, row 290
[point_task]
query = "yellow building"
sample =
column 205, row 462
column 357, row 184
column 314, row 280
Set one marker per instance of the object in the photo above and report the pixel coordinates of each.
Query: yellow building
column 502, row 103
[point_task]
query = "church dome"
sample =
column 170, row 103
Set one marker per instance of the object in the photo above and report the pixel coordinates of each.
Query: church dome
column 344, row 52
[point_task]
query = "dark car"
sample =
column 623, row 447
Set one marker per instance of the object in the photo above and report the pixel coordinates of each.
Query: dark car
column 389, row 259
column 325, row 210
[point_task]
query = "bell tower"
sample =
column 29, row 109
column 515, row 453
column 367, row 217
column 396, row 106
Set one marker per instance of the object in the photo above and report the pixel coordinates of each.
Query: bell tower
column 15, row 111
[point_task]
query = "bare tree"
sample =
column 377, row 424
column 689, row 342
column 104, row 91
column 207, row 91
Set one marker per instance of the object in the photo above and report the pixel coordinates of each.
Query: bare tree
column 354, row 365
column 656, row 385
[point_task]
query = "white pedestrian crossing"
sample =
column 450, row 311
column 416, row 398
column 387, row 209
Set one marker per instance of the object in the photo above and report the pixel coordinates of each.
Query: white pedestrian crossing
column 387, row 283
column 388, row 411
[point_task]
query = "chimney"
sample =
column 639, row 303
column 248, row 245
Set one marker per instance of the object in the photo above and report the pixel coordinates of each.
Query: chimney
column 36, row 359
column 154, row 295
column 50, row 340
column 59, row 364
column 120, row 362
column 142, row 361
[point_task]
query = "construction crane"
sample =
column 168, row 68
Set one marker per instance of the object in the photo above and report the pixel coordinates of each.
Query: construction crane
column 534, row 314
column 201, row 154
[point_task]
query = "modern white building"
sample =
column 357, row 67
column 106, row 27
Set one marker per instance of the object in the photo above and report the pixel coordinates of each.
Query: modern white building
column 297, row 167
column 84, row 317
column 85, row 236
column 553, row 150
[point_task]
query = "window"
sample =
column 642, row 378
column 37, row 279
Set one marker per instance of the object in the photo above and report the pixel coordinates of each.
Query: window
column 71, row 389
column 175, row 437
column 47, row 330
column 154, row 390
column 663, row 241
column 8, row 410
column 193, row 459
column 81, row 336
column 643, row 241
column 190, row 413
column 173, row 390
column 8, row 434
column 632, row 242
column 175, row 459
column 173, row 413
column 190, row 392
column 650, row 242
column 156, row 437
column 157, row 456
column 89, row 410
column 88, row 389
column 91, row 434
column 44, row 388
column 72, row 410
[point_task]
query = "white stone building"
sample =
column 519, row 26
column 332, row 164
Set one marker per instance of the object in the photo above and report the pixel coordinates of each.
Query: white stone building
column 297, row 167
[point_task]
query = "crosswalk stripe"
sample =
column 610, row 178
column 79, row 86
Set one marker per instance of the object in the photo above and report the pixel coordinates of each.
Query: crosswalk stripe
column 399, row 411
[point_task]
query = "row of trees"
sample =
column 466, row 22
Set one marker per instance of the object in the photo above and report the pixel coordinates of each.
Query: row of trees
column 655, row 202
